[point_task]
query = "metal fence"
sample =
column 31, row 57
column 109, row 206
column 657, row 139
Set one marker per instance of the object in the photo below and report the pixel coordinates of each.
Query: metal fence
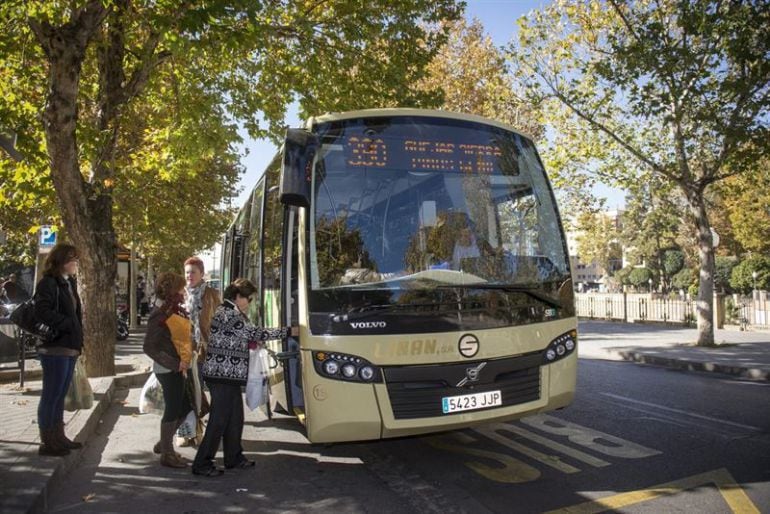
column 745, row 311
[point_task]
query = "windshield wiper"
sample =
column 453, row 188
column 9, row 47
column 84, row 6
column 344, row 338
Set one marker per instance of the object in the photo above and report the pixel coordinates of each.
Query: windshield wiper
column 359, row 312
column 529, row 290
column 370, row 310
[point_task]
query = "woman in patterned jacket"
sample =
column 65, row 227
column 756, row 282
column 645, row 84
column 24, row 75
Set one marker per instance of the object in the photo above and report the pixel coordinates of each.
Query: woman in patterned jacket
column 225, row 372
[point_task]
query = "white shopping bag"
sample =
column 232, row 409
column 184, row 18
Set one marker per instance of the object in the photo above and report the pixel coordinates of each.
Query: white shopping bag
column 188, row 427
column 151, row 397
column 256, row 385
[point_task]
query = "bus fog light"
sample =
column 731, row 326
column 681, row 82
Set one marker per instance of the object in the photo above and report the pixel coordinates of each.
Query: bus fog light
column 560, row 349
column 550, row 354
column 348, row 371
column 366, row 373
column 570, row 344
column 331, row 367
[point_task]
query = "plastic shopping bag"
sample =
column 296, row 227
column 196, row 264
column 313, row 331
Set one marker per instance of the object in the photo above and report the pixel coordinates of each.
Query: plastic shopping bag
column 256, row 385
column 151, row 397
column 189, row 426
column 79, row 395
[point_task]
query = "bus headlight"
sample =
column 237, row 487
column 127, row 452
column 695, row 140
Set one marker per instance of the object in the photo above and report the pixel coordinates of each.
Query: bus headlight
column 367, row 373
column 560, row 347
column 331, row 367
column 348, row 371
column 349, row 368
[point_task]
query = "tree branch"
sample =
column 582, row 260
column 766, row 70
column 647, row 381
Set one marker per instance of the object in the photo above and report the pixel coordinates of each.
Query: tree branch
column 7, row 144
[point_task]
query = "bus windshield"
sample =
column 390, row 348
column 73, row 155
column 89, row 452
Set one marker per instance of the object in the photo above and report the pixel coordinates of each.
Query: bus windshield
column 425, row 203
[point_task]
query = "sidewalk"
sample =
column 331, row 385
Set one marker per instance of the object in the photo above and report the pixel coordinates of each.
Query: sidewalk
column 26, row 477
column 740, row 354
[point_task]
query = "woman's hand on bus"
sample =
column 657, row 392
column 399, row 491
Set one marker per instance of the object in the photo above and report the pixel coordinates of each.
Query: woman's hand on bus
column 294, row 331
column 183, row 366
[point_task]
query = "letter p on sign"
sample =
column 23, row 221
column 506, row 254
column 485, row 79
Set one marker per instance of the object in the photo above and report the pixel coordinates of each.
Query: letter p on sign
column 47, row 236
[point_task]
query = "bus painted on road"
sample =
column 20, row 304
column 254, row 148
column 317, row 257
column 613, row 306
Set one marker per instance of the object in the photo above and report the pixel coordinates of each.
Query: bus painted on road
column 423, row 258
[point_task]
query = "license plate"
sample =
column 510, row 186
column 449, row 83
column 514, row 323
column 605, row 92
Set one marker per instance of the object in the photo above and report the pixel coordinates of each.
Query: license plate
column 451, row 404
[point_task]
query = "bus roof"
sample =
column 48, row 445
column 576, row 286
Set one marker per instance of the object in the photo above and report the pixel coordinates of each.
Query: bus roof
column 376, row 113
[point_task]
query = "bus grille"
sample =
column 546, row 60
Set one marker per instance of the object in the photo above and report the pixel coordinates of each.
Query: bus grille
column 417, row 391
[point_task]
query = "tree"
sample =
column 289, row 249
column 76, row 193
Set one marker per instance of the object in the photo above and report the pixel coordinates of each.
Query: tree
column 598, row 241
column 650, row 225
column 83, row 65
column 640, row 278
column 723, row 271
column 747, row 204
column 742, row 278
column 679, row 91
column 683, row 279
column 672, row 263
column 473, row 75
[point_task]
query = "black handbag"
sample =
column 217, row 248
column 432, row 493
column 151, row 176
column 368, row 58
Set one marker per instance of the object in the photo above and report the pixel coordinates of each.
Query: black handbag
column 24, row 317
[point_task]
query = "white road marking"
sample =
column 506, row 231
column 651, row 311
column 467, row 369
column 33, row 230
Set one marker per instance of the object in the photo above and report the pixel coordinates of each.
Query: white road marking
column 493, row 432
column 684, row 412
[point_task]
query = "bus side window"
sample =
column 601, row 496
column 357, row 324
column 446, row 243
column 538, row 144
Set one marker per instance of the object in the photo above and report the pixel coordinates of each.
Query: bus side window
column 253, row 260
column 272, row 250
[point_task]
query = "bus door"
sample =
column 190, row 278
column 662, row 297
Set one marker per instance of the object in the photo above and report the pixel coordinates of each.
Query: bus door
column 290, row 356
column 279, row 297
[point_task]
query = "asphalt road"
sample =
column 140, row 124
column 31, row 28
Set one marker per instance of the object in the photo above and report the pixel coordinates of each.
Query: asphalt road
column 636, row 440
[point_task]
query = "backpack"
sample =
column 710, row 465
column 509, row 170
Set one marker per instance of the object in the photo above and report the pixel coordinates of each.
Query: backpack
column 24, row 317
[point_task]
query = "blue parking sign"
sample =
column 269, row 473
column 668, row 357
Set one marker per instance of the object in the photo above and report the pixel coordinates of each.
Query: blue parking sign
column 47, row 236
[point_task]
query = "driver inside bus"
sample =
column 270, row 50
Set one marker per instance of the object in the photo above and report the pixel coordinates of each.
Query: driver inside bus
column 465, row 246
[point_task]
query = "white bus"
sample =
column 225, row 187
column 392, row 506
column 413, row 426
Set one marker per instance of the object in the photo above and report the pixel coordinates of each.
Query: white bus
column 422, row 256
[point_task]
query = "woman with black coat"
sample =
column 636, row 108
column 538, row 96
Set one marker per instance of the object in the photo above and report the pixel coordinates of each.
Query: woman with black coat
column 57, row 304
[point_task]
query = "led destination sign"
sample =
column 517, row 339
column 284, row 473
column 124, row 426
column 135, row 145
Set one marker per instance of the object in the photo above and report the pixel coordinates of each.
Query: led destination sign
column 421, row 155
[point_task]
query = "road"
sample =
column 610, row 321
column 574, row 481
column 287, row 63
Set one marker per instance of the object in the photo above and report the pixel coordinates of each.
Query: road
column 637, row 439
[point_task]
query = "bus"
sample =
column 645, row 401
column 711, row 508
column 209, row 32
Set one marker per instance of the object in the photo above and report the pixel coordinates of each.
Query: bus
column 422, row 255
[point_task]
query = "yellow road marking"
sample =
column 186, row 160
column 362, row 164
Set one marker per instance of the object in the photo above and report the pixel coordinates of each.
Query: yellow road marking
column 733, row 494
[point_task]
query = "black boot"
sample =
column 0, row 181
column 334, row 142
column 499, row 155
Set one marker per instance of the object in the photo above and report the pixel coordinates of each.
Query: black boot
column 63, row 440
column 50, row 446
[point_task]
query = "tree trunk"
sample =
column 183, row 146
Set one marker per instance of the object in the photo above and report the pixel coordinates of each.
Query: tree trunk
column 86, row 213
column 705, row 302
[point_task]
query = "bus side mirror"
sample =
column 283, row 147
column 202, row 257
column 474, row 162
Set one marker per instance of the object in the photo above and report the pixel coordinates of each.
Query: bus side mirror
column 298, row 152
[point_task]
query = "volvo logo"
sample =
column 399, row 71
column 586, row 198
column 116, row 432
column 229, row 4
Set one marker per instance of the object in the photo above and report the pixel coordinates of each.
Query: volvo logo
column 468, row 345
column 368, row 324
column 471, row 374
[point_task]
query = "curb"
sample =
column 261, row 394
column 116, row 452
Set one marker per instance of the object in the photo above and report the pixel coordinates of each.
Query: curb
column 702, row 366
column 10, row 375
column 85, row 423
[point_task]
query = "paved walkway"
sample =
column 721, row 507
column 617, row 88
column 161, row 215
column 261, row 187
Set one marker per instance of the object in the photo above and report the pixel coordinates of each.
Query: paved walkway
column 27, row 478
column 740, row 354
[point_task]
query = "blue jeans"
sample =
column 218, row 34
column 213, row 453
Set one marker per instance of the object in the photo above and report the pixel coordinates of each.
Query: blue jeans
column 57, row 375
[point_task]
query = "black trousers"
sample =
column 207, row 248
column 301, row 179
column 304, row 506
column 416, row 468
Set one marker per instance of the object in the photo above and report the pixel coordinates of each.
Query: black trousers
column 225, row 423
column 177, row 405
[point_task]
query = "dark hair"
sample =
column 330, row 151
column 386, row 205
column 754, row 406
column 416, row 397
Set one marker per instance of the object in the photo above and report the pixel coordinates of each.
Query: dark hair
column 168, row 285
column 240, row 286
column 195, row 261
column 60, row 255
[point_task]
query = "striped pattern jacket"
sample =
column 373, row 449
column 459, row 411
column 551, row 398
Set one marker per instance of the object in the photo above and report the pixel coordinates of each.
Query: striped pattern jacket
column 227, row 357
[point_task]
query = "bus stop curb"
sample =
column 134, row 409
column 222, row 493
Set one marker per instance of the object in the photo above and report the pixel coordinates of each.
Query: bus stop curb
column 692, row 365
